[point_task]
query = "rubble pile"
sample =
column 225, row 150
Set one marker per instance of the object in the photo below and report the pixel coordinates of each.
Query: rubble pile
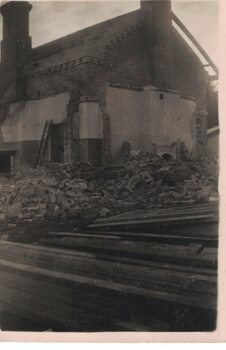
column 35, row 194
column 78, row 190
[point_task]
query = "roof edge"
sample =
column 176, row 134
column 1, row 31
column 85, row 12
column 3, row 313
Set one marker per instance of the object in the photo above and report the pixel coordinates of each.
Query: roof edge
column 69, row 40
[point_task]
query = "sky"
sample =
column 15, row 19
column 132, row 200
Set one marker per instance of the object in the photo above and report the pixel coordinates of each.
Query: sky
column 50, row 20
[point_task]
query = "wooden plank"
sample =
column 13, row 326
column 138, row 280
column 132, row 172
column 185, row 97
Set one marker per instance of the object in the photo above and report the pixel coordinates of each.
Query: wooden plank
column 151, row 280
column 163, row 252
column 77, row 299
column 44, row 308
column 164, row 212
column 78, row 264
column 141, row 310
column 172, row 220
column 204, row 229
column 122, row 273
column 13, row 248
column 160, row 237
column 87, row 235
column 34, row 247
column 157, row 218
column 75, row 281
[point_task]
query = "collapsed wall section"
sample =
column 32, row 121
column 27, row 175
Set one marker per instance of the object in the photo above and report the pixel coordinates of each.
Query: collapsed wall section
column 22, row 129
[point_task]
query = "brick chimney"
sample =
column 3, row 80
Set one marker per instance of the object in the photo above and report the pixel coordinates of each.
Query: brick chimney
column 16, row 41
column 158, row 36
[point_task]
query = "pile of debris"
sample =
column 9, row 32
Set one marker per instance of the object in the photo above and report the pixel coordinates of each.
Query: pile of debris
column 142, row 181
column 35, row 194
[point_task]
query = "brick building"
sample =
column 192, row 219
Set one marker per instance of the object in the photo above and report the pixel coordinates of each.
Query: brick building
column 131, row 81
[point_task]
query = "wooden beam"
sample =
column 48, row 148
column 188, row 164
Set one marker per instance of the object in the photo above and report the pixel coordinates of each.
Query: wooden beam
column 82, row 284
column 195, row 42
column 214, row 77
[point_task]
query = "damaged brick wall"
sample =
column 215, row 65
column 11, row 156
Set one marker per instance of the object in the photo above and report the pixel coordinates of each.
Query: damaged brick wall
column 130, row 73
column 107, row 151
column 190, row 77
column 22, row 128
column 124, row 63
column 71, row 128
column 47, row 84
column 192, row 80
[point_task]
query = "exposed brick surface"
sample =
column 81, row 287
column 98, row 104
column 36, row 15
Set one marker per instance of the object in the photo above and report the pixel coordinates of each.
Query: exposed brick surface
column 115, row 53
column 16, row 41
column 125, row 63
column 71, row 128
column 158, row 42
column 44, row 85
column 107, row 154
column 190, row 77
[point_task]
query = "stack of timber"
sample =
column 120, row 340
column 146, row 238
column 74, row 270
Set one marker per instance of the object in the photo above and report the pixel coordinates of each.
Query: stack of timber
column 114, row 280
column 169, row 217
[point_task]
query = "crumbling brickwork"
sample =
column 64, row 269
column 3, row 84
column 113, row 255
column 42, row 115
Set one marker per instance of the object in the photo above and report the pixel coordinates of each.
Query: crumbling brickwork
column 71, row 128
column 47, row 84
column 133, row 52
column 124, row 63
column 190, row 77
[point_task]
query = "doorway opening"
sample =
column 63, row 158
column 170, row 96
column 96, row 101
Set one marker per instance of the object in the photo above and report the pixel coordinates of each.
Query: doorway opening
column 57, row 143
column 6, row 162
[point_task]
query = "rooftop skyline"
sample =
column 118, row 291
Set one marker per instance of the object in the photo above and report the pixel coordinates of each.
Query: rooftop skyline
column 50, row 20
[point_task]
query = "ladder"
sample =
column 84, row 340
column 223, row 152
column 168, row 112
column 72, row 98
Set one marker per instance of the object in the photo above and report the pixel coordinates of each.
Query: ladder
column 44, row 142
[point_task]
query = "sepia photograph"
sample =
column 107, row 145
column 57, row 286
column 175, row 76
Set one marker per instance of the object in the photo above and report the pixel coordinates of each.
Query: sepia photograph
column 109, row 166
